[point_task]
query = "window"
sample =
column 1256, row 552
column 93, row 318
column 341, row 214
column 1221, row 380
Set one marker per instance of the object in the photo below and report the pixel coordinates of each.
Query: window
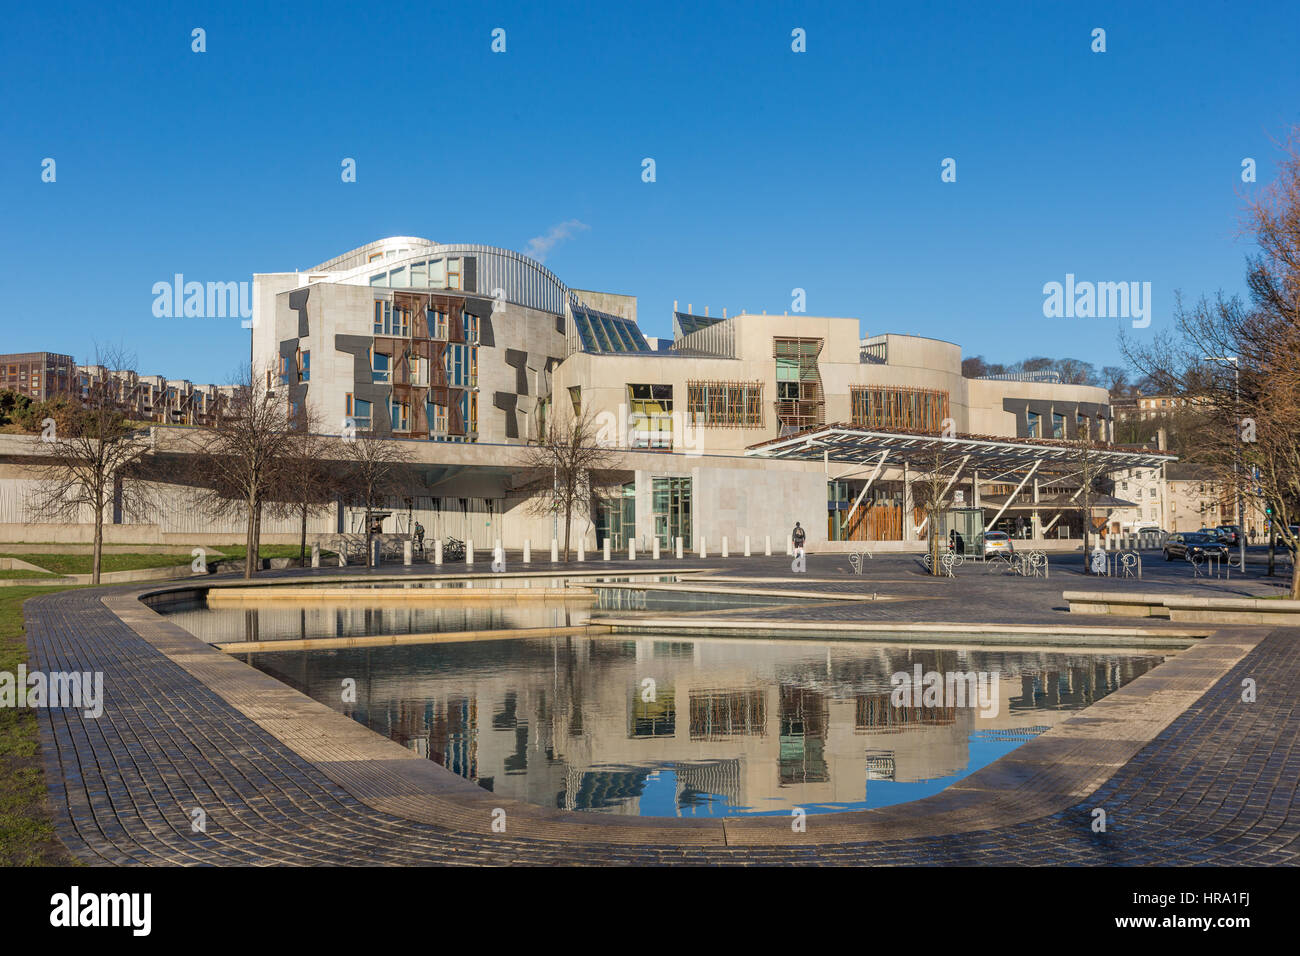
column 1035, row 428
column 400, row 415
column 375, row 255
column 650, row 419
column 469, row 325
column 304, row 366
column 437, row 416
column 575, row 396
column 438, row 324
column 1058, row 425
column 726, row 404
column 456, row 365
column 401, row 322
column 881, row 406
column 383, row 317
column 359, row 411
column 799, row 400
column 671, row 504
column 453, row 273
column 380, row 366
column 1152, row 493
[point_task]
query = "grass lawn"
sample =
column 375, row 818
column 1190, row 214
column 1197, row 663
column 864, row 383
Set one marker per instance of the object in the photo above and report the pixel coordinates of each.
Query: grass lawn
column 26, row 832
column 82, row 563
column 236, row 552
column 25, row 573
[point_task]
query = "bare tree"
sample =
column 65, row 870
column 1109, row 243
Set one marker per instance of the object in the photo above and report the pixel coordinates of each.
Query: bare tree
column 374, row 469
column 241, row 464
column 569, row 471
column 1091, row 475
column 932, row 493
column 1239, row 362
column 93, row 457
column 309, row 482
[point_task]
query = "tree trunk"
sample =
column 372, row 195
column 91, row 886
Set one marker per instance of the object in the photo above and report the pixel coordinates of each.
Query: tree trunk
column 257, row 539
column 568, row 528
column 1295, row 581
column 302, row 550
column 99, row 545
column 250, row 543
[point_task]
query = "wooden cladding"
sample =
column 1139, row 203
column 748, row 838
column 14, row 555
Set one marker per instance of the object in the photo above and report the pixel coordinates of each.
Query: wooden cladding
column 725, row 404
column 887, row 406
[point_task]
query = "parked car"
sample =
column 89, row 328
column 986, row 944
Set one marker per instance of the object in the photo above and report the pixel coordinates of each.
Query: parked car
column 997, row 544
column 1231, row 532
column 1150, row 529
column 1192, row 544
column 1214, row 533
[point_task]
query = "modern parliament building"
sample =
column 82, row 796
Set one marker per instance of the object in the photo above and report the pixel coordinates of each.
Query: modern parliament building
column 736, row 428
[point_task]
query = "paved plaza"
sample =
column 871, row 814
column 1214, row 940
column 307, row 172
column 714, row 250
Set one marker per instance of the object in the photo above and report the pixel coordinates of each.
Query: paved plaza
column 1185, row 770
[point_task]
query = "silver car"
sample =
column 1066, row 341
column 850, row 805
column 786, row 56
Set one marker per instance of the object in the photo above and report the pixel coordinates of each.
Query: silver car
column 997, row 544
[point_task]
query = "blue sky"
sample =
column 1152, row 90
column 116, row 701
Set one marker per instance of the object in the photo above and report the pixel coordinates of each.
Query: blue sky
column 775, row 170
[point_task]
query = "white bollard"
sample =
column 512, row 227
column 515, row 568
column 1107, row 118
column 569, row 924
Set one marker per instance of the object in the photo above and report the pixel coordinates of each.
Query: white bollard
column 724, row 546
column 654, row 548
column 582, row 548
column 746, row 545
column 437, row 552
column 607, row 549
column 343, row 559
column 469, row 552
column 704, row 547
column 408, row 551
column 315, row 554
column 631, row 549
column 789, row 545
column 679, row 547
column 528, row 550
column 555, row 551
column 767, row 545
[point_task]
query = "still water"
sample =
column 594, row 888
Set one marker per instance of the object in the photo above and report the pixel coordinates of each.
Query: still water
column 698, row 727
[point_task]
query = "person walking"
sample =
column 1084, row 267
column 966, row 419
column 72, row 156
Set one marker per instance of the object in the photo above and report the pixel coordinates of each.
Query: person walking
column 797, row 538
column 419, row 537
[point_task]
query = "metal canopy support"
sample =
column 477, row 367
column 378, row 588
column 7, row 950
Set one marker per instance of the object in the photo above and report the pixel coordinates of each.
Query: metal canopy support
column 1011, row 497
column 1051, row 523
column 880, row 463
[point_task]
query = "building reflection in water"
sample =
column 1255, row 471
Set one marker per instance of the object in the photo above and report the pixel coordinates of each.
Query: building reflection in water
column 730, row 727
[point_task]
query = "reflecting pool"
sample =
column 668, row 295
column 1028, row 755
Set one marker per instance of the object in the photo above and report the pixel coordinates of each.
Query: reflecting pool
column 701, row 727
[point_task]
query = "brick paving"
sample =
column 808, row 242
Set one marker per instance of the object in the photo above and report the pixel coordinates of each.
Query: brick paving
column 1186, row 772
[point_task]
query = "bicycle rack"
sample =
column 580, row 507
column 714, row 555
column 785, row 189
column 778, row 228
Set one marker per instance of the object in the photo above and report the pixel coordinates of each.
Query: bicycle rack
column 856, row 560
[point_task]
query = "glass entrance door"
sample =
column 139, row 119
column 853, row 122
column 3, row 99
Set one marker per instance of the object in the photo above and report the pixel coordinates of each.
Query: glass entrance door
column 672, row 511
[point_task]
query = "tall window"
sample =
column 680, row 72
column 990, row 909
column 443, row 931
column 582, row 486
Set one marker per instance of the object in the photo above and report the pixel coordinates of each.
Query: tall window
column 383, row 317
column 1035, row 427
column 438, row 324
column 575, row 396
column 304, row 366
column 671, row 501
column 400, row 414
column 437, row 416
column 381, row 366
column 1058, row 425
column 453, row 273
column 799, row 400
